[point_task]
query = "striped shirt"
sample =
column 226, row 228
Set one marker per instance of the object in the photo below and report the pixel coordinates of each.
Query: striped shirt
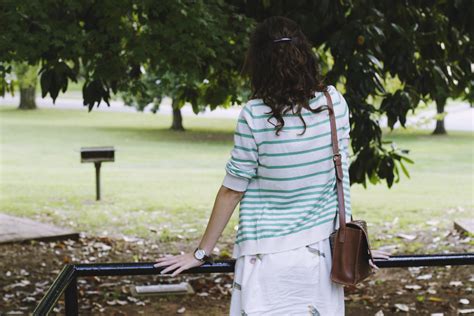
column 289, row 180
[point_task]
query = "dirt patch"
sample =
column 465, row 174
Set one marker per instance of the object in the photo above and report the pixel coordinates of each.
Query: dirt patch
column 27, row 270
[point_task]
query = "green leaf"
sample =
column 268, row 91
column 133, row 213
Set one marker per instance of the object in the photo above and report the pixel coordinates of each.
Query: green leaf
column 404, row 169
column 407, row 159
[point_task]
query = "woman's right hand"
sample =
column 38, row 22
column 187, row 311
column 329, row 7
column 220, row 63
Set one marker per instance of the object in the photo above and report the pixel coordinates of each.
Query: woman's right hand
column 378, row 254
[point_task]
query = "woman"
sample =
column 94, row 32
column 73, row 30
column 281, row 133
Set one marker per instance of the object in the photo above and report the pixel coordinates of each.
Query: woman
column 281, row 171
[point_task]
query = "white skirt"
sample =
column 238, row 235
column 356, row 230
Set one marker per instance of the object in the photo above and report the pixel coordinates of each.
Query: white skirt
column 294, row 282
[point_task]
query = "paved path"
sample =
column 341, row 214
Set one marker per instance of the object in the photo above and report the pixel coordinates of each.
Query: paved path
column 460, row 115
column 119, row 106
column 18, row 229
column 465, row 225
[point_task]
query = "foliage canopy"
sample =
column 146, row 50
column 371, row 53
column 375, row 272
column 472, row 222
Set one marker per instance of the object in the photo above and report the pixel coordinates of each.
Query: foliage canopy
column 193, row 51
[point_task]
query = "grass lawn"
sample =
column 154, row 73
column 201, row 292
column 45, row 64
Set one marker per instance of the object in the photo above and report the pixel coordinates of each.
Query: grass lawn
column 163, row 183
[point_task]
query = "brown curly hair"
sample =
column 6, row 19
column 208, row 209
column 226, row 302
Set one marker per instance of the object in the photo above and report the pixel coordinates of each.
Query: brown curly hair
column 283, row 69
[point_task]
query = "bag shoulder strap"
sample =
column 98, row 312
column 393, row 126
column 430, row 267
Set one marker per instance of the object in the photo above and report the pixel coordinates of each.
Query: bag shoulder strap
column 337, row 166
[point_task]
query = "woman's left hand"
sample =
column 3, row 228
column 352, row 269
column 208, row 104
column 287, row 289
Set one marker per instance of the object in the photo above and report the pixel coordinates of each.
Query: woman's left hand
column 178, row 263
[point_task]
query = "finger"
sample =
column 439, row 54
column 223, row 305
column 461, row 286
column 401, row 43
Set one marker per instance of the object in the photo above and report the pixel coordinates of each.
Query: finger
column 181, row 269
column 169, row 259
column 171, row 268
column 380, row 254
column 374, row 269
column 166, row 262
column 163, row 259
column 166, row 257
column 372, row 264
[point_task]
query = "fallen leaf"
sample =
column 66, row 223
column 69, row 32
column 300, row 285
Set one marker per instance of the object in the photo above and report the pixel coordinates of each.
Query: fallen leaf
column 132, row 299
column 406, row 236
column 432, row 291
column 414, row 270
column 29, row 299
column 402, row 307
column 455, row 283
column 424, row 277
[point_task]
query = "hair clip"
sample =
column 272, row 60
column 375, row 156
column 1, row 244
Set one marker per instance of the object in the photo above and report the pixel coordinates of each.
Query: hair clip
column 283, row 39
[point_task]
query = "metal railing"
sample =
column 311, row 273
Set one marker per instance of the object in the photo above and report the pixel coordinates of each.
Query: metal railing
column 66, row 282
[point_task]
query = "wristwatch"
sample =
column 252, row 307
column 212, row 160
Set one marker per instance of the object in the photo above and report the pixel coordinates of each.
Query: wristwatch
column 200, row 254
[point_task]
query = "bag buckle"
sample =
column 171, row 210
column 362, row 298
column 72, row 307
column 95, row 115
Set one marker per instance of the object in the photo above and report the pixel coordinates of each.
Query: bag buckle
column 337, row 159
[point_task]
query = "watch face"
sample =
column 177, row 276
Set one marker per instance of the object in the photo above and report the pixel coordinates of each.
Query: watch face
column 200, row 253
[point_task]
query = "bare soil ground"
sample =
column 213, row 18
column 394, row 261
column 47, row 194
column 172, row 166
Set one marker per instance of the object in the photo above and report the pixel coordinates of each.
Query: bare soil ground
column 27, row 270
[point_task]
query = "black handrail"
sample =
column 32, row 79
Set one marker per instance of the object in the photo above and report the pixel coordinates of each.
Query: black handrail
column 66, row 281
column 63, row 280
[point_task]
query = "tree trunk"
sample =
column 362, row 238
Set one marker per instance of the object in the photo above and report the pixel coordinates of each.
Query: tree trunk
column 27, row 98
column 177, row 124
column 440, row 129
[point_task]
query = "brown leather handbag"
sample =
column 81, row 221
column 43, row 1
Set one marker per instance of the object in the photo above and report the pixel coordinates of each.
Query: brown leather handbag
column 350, row 242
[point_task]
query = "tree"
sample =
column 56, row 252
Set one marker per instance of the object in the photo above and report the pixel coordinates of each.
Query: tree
column 203, row 70
column 442, row 51
column 27, row 78
column 193, row 48
column 182, row 43
column 114, row 41
column 426, row 45
column 221, row 88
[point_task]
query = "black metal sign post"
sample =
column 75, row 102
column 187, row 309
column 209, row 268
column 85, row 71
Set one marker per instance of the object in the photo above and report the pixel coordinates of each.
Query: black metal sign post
column 97, row 155
column 97, row 180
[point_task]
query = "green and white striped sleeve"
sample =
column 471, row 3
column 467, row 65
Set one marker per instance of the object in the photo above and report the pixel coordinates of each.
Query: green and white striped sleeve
column 242, row 165
column 344, row 147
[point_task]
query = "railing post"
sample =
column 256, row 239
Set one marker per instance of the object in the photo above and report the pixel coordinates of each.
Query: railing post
column 70, row 299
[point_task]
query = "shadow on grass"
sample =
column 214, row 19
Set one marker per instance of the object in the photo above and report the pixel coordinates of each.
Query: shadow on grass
column 209, row 134
column 190, row 135
column 410, row 134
